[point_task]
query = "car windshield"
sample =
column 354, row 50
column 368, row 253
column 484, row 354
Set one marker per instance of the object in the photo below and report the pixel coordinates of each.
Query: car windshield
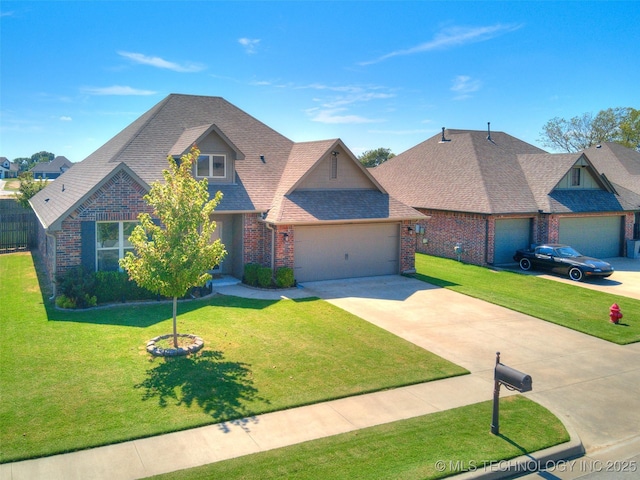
column 567, row 252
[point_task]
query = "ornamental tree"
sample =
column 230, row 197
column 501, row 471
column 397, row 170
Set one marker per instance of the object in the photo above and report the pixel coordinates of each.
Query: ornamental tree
column 28, row 188
column 175, row 255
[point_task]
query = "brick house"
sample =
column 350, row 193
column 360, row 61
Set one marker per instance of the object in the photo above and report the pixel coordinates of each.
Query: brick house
column 490, row 194
column 309, row 206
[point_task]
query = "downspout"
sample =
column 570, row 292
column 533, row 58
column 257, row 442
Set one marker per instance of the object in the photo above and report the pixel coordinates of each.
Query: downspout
column 55, row 249
column 486, row 241
column 273, row 246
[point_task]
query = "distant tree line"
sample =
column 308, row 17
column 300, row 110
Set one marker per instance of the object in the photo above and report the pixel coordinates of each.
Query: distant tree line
column 27, row 163
column 620, row 125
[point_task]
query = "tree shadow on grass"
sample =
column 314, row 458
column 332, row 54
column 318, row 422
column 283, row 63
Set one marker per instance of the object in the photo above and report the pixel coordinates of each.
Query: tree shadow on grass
column 220, row 388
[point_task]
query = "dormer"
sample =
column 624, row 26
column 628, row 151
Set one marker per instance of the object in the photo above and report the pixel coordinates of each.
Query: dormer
column 581, row 176
column 217, row 157
column 337, row 170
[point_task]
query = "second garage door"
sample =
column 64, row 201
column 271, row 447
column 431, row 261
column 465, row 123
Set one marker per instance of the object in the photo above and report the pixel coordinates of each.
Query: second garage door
column 599, row 237
column 345, row 251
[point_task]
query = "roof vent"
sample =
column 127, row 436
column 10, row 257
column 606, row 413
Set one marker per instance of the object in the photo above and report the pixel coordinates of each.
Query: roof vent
column 489, row 131
column 598, row 146
column 443, row 140
column 262, row 159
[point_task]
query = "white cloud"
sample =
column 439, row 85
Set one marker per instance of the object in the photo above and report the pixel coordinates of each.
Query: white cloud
column 162, row 63
column 250, row 44
column 463, row 86
column 400, row 132
column 334, row 100
column 350, row 94
column 333, row 116
column 116, row 90
column 451, row 37
column 64, row 118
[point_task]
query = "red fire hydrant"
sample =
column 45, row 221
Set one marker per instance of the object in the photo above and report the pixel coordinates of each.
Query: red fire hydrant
column 614, row 313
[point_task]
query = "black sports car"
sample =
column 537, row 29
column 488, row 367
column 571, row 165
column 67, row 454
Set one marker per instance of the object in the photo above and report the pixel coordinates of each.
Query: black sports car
column 562, row 259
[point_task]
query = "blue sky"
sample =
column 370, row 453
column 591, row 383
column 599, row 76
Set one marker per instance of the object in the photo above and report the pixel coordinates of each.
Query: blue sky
column 373, row 73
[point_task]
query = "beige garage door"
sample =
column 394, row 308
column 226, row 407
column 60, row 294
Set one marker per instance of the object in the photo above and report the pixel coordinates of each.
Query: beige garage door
column 599, row 237
column 345, row 251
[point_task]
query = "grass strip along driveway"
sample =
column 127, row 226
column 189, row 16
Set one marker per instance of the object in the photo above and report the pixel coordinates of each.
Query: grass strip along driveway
column 426, row 447
column 574, row 307
column 74, row 380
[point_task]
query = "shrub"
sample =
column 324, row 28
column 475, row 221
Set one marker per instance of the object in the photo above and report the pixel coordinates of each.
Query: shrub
column 285, row 278
column 251, row 274
column 65, row 302
column 265, row 277
column 116, row 287
column 78, row 286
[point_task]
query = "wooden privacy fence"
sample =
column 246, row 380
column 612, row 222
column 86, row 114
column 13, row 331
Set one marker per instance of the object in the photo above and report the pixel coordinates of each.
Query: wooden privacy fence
column 18, row 227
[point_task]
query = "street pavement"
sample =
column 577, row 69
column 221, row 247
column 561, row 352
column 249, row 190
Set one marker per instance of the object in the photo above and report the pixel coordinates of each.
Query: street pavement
column 3, row 192
column 593, row 386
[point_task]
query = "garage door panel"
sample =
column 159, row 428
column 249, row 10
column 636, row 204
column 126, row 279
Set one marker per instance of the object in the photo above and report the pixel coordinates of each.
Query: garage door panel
column 599, row 237
column 344, row 251
column 510, row 235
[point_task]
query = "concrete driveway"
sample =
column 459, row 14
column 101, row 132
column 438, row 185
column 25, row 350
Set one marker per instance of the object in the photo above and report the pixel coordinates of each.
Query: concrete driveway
column 625, row 280
column 591, row 384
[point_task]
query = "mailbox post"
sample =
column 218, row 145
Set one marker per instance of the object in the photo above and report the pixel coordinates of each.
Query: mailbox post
column 512, row 379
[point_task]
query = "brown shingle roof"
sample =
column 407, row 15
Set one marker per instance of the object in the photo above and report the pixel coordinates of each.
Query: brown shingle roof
column 334, row 206
column 621, row 165
column 469, row 173
column 466, row 173
column 270, row 165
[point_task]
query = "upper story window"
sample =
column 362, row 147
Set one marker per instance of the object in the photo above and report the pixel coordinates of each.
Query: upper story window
column 334, row 167
column 112, row 243
column 576, row 176
column 211, row 166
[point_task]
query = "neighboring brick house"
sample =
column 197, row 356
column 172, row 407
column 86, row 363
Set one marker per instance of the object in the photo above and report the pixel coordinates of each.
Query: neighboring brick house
column 51, row 170
column 309, row 206
column 490, row 194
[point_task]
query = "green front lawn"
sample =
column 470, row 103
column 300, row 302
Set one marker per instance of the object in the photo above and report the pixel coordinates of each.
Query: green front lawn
column 74, row 380
column 426, row 447
column 571, row 306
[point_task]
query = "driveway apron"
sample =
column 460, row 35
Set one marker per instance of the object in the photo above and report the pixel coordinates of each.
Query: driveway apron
column 591, row 384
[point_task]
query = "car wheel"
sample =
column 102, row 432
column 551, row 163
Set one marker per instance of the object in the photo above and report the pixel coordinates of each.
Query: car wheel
column 575, row 274
column 525, row 264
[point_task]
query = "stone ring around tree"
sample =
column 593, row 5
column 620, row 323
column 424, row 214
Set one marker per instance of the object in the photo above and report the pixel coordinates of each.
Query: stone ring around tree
column 154, row 349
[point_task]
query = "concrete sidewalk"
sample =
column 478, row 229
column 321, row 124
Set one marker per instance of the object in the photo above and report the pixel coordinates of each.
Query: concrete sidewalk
column 591, row 385
column 200, row 446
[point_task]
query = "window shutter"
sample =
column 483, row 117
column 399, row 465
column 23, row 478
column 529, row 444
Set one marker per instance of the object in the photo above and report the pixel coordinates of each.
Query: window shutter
column 88, row 245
